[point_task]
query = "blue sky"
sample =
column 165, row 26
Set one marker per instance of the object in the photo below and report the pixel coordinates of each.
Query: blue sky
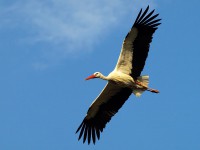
column 47, row 49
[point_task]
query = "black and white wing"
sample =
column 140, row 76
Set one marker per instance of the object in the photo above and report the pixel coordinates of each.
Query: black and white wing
column 136, row 44
column 101, row 111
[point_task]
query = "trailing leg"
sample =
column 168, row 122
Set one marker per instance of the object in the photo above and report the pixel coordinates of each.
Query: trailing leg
column 143, row 82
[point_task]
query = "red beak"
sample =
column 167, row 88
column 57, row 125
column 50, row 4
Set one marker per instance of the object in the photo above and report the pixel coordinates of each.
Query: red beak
column 90, row 77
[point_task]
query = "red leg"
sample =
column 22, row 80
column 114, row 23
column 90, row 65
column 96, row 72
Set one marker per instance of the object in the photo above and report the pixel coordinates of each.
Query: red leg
column 148, row 89
column 140, row 84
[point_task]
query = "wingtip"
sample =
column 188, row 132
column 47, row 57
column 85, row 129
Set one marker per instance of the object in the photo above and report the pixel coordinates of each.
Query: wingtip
column 87, row 133
column 147, row 8
column 147, row 19
column 138, row 16
column 79, row 128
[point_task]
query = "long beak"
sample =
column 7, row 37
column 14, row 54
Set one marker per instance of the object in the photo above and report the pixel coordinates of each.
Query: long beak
column 90, row 77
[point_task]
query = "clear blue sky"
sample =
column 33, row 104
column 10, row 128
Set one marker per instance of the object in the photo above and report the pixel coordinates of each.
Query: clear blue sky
column 47, row 48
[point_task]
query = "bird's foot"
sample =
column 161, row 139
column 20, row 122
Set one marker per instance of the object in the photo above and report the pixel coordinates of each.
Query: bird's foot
column 153, row 90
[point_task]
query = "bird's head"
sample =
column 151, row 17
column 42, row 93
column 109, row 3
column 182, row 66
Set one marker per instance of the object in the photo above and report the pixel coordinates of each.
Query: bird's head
column 95, row 75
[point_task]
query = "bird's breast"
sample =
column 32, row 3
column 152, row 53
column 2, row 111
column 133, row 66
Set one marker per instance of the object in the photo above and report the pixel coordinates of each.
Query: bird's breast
column 121, row 79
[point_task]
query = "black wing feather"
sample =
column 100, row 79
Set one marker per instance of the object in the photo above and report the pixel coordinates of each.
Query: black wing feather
column 98, row 133
column 138, row 15
column 93, row 135
column 89, row 134
column 85, row 133
column 82, row 127
column 144, row 13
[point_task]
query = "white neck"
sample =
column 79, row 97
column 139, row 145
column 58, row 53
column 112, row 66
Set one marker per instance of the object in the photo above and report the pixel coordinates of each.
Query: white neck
column 103, row 77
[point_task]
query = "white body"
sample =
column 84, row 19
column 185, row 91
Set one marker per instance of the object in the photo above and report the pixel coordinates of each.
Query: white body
column 124, row 80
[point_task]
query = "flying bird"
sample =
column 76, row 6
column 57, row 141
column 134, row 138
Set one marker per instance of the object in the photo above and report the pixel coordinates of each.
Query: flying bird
column 124, row 80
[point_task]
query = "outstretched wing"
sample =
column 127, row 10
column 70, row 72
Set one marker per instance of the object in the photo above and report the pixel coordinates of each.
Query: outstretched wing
column 136, row 45
column 101, row 111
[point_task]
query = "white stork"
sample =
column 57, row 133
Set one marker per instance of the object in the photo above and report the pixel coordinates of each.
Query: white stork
column 124, row 79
